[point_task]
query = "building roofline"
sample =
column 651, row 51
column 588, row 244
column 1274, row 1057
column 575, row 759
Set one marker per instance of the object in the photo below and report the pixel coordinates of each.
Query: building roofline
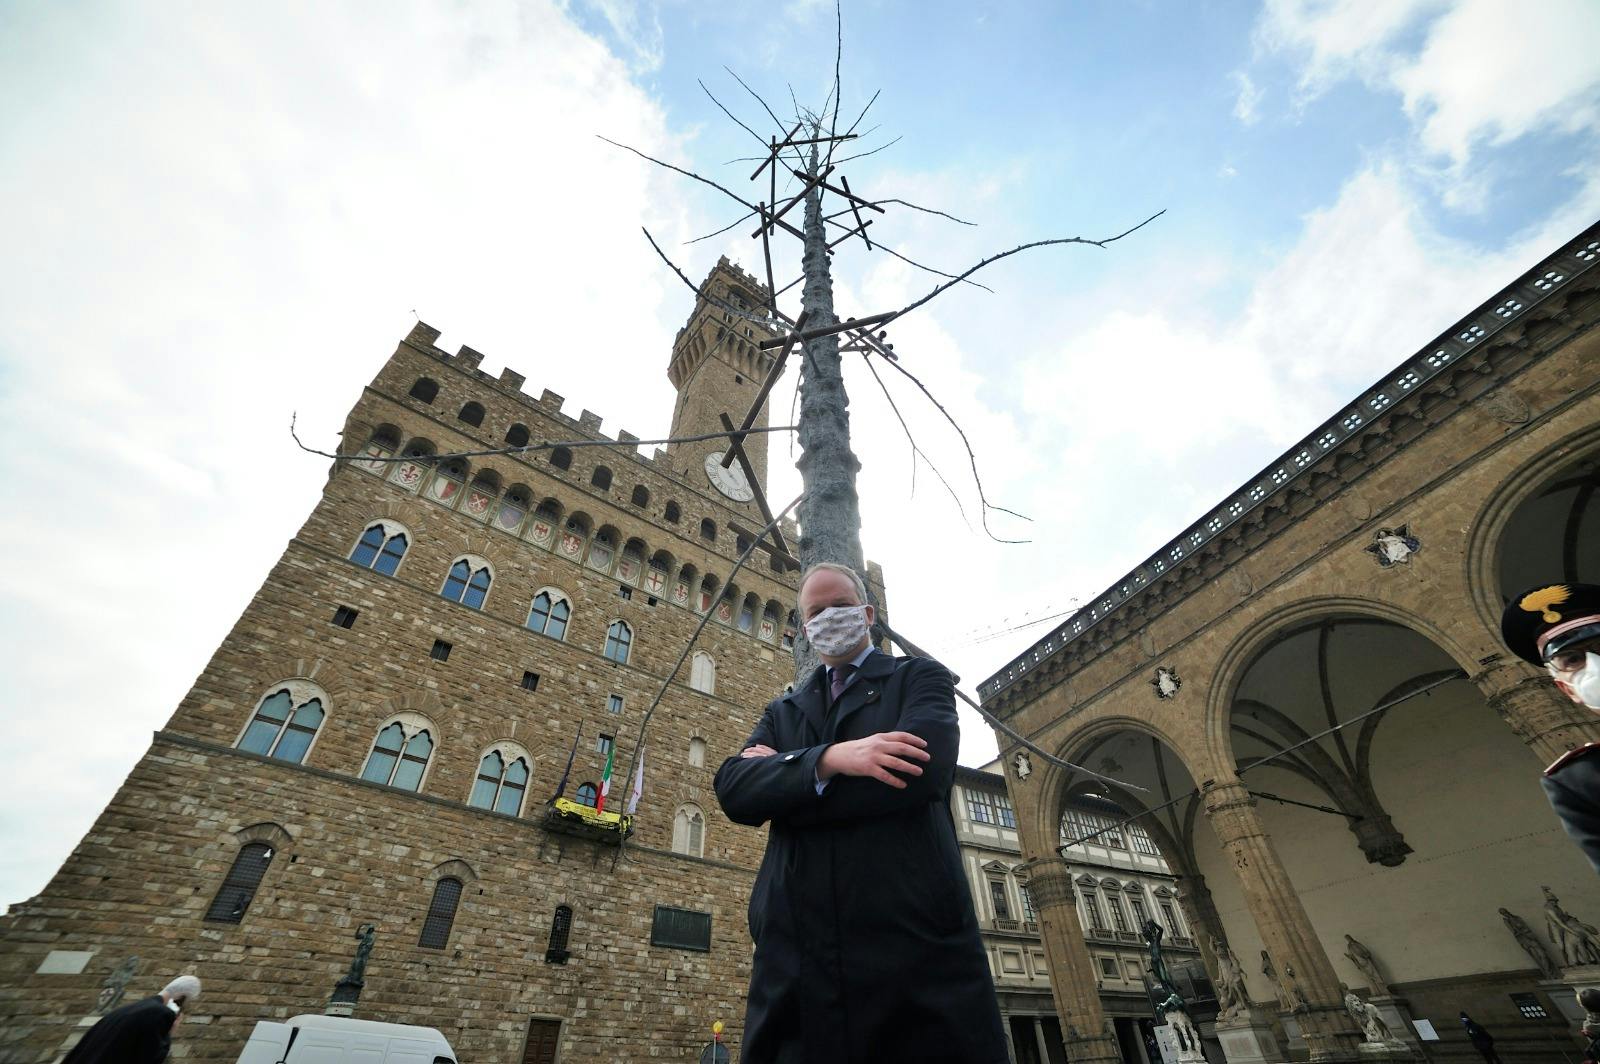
column 1551, row 276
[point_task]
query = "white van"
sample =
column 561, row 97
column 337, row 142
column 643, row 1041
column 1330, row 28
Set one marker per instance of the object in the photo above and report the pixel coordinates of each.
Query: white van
column 313, row 1039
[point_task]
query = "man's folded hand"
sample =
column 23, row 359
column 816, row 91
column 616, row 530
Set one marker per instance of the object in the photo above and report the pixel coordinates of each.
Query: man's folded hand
column 874, row 756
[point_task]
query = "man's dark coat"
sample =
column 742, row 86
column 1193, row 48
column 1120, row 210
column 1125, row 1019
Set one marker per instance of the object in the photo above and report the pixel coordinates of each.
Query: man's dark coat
column 867, row 947
column 133, row 1034
column 1573, row 786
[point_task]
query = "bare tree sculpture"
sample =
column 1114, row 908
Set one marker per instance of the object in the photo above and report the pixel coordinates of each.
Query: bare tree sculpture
column 830, row 511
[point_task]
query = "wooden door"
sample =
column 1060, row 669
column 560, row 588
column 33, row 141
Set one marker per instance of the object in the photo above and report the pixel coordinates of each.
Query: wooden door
column 543, row 1037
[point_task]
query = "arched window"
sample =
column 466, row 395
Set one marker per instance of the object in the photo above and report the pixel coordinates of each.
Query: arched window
column 285, row 723
column 472, row 414
column 560, row 928
column 769, row 621
column 703, row 673
column 380, row 547
column 468, row 582
column 513, row 508
column 688, row 831
column 697, row 752
column 741, row 544
column 550, row 613
column 502, row 780
column 517, row 435
column 708, row 529
column 747, row 613
column 441, row 913
column 424, row 390
column 561, row 457
column 619, row 638
column 241, row 883
column 789, row 625
column 384, row 442
column 673, row 513
column 587, row 794
column 399, row 756
column 601, row 478
column 641, row 495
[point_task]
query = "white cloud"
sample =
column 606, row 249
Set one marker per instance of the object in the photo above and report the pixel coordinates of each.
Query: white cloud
column 229, row 215
column 1460, row 82
column 1247, row 98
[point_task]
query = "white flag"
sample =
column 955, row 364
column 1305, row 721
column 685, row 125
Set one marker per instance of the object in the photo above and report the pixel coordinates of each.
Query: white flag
column 638, row 784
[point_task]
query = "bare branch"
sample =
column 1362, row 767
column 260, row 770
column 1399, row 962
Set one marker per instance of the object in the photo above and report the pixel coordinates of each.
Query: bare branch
column 760, row 320
column 913, row 262
column 759, row 138
column 972, row 458
column 775, row 119
column 751, row 207
column 1025, row 247
column 924, row 210
column 738, row 221
column 838, row 54
column 864, row 154
column 854, row 124
column 916, row 451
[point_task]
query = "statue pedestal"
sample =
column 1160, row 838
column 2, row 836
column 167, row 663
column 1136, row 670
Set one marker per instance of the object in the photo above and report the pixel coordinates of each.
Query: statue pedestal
column 1291, row 1034
column 1376, row 1051
column 345, row 995
column 1171, row 1046
column 1396, row 1012
column 1248, row 1039
column 1564, row 991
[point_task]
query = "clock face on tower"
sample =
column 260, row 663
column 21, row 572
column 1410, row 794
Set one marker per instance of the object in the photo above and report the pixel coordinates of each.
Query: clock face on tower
column 731, row 481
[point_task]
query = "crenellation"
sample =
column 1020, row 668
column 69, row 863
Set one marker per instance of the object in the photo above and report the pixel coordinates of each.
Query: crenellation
column 589, row 421
column 469, row 357
column 512, row 380
column 551, row 401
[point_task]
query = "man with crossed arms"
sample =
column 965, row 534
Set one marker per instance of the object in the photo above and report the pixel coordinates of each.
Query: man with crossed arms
column 867, row 946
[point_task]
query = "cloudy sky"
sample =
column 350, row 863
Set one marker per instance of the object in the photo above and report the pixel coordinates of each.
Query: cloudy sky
column 219, row 214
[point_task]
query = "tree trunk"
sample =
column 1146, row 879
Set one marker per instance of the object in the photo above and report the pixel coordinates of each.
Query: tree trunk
column 830, row 516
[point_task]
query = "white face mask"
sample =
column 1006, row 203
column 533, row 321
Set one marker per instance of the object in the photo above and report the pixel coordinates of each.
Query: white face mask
column 1586, row 683
column 837, row 630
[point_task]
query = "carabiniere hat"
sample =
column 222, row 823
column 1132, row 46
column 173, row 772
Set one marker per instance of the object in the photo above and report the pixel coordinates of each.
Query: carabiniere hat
column 1544, row 620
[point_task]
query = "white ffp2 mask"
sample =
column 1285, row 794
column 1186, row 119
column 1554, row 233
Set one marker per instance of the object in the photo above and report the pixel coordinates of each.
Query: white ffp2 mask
column 838, row 629
column 1586, row 684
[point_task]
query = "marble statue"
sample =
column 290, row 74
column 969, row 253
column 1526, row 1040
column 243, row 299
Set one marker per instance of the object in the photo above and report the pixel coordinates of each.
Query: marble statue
column 1578, row 942
column 1022, row 766
column 1367, row 964
column 1271, row 972
column 1232, row 996
column 1530, row 944
column 1365, row 1013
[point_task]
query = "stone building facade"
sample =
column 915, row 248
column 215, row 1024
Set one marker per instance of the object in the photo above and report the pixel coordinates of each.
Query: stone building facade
column 377, row 737
column 1122, row 881
column 1309, row 687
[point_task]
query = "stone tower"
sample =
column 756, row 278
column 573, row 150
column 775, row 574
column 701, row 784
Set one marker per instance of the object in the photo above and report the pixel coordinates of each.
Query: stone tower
column 378, row 736
column 718, row 368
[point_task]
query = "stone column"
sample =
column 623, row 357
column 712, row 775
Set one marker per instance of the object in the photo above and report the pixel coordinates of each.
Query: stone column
column 1540, row 715
column 1194, row 898
column 1072, row 978
column 1281, row 920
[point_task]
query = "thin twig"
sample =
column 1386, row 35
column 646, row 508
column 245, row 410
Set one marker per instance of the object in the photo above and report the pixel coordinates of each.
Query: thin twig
column 1025, row 247
column 915, row 450
column 925, row 210
column 864, row 154
column 759, row 138
column 838, row 55
column 698, row 290
column 747, row 205
column 542, row 445
column 737, row 221
column 971, row 457
column 854, row 124
column 911, row 261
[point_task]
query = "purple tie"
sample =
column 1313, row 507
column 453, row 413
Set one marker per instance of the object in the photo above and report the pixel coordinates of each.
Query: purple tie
column 841, row 676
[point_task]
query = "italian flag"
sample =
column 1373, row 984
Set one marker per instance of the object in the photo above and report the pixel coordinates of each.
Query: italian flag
column 605, row 781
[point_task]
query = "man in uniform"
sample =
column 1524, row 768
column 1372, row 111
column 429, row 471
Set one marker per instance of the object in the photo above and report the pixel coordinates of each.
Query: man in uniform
column 867, row 948
column 1558, row 626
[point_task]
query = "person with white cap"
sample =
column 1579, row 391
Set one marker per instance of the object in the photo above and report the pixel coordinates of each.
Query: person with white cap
column 138, row 1033
column 1558, row 626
